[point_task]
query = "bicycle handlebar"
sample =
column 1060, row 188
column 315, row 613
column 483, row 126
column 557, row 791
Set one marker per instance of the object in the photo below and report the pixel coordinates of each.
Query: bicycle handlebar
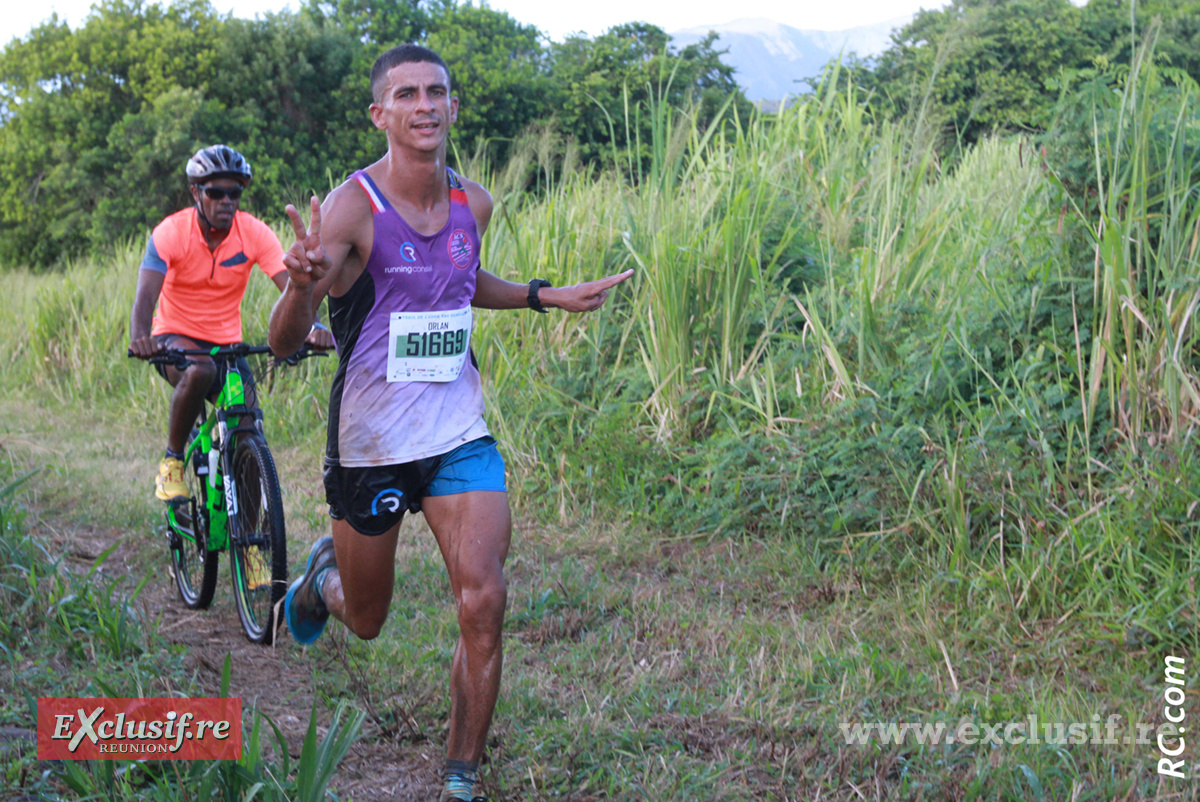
column 179, row 356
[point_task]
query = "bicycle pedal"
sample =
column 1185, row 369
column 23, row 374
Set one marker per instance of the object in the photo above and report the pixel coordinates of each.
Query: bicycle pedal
column 174, row 541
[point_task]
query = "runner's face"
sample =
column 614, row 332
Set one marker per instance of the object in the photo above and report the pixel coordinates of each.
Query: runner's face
column 416, row 108
column 219, row 212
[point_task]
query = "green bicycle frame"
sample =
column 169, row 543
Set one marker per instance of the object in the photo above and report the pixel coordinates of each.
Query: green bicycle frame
column 219, row 484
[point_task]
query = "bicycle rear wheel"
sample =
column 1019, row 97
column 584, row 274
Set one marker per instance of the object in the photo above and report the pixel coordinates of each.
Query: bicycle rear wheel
column 193, row 565
column 258, row 544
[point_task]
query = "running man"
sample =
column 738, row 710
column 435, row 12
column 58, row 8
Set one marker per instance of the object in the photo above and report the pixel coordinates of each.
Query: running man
column 196, row 269
column 396, row 249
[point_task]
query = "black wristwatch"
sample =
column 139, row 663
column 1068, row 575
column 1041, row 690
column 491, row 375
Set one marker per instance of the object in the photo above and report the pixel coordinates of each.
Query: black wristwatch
column 534, row 286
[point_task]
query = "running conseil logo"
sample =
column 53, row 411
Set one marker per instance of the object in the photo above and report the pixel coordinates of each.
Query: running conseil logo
column 139, row 729
column 408, row 252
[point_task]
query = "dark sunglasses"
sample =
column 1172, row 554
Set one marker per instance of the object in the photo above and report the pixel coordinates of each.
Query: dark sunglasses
column 218, row 194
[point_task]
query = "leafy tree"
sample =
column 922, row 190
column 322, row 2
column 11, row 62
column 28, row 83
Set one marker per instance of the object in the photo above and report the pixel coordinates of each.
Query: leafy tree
column 1117, row 27
column 977, row 66
column 64, row 93
column 379, row 24
column 604, row 85
column 294, row 93
column 96, row 122
column 982, row 65
column 142, row 178
column 500, row 73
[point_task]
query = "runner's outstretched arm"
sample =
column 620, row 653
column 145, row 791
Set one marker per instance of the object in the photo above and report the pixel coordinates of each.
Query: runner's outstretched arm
column 493, row 292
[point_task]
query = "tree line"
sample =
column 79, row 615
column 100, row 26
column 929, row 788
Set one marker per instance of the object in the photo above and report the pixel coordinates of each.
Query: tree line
column 97, row 121
column 976, row 67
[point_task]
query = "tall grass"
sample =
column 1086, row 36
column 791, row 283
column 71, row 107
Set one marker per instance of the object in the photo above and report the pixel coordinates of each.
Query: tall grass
column 1146, row 229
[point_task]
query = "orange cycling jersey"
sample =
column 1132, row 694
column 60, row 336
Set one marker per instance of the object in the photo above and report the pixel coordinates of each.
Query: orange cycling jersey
column 202, row 292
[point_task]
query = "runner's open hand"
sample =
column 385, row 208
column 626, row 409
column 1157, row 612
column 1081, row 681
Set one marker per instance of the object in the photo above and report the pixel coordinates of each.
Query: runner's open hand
column 586, row 297
column 306, row 261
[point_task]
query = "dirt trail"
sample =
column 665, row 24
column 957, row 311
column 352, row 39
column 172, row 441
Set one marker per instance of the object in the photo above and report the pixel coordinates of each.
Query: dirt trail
column 277, row 680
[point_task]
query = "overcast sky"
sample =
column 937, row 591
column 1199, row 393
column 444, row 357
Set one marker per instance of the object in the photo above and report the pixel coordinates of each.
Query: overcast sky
column 559, row 18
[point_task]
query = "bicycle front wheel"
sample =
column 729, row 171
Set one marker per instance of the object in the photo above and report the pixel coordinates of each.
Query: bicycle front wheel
column 258, row 543
column 192, row 564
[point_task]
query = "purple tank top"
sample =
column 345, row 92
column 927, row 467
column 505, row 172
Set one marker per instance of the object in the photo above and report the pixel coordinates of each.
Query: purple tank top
column 407, row 386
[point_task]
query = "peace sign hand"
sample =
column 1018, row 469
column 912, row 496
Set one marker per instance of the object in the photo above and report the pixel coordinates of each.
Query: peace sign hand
column 306, row 261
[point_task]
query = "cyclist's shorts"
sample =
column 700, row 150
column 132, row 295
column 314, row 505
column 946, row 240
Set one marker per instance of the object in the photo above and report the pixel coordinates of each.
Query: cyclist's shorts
column 172, row 341
column 374, row 499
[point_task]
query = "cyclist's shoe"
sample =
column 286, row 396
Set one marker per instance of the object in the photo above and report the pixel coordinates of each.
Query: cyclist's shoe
column 258, row 573
column 169, row 485
column 303, row 606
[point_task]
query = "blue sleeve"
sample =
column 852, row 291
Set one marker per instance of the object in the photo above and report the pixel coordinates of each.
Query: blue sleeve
column 152, row 261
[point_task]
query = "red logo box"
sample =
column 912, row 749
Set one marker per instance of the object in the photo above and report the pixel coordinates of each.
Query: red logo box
column 139, row 729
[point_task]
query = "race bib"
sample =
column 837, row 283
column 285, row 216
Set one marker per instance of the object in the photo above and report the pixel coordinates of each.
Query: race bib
column 428, row 346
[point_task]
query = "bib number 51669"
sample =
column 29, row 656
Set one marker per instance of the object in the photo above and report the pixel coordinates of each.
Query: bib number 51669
column 428, row 346
column 434, row 343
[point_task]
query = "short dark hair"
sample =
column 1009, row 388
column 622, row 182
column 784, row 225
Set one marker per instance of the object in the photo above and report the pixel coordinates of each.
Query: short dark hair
column 402, row 54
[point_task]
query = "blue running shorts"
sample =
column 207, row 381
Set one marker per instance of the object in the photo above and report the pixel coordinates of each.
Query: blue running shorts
column 374, row 499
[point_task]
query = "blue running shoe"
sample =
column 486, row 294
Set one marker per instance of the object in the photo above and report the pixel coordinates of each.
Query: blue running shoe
column 303, row 607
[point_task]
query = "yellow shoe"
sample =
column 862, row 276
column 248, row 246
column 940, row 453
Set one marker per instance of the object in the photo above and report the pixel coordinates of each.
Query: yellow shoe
column 168, row 485
column 258, row 575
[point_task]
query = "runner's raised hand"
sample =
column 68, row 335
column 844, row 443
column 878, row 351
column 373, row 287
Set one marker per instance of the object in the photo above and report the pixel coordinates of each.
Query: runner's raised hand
column 306, row 261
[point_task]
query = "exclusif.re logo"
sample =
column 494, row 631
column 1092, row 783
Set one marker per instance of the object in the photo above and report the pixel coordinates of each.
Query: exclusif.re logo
column 139, row 729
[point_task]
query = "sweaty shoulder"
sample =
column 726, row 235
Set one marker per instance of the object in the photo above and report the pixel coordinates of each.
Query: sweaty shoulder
column 480, row 201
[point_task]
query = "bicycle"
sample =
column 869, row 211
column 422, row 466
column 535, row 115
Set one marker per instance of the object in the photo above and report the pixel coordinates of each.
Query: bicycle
column 234, row 498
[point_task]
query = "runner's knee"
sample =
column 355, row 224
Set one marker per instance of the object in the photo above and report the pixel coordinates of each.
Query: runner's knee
column 366, row 614
column 368, row 625
column 481, row 609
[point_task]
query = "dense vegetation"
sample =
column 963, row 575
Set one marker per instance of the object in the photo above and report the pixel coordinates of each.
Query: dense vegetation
column 96, row 123
column 889, row 426
column 980, row 66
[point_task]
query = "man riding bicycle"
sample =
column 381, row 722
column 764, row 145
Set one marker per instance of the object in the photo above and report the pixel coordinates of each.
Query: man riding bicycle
column 196, row 268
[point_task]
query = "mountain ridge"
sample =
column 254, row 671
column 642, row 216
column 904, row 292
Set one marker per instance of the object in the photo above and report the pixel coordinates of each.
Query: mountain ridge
column 771, row 58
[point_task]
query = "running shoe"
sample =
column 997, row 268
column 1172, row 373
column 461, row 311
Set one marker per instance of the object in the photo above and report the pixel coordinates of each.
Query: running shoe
column 303, row 607
column 169, row 485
